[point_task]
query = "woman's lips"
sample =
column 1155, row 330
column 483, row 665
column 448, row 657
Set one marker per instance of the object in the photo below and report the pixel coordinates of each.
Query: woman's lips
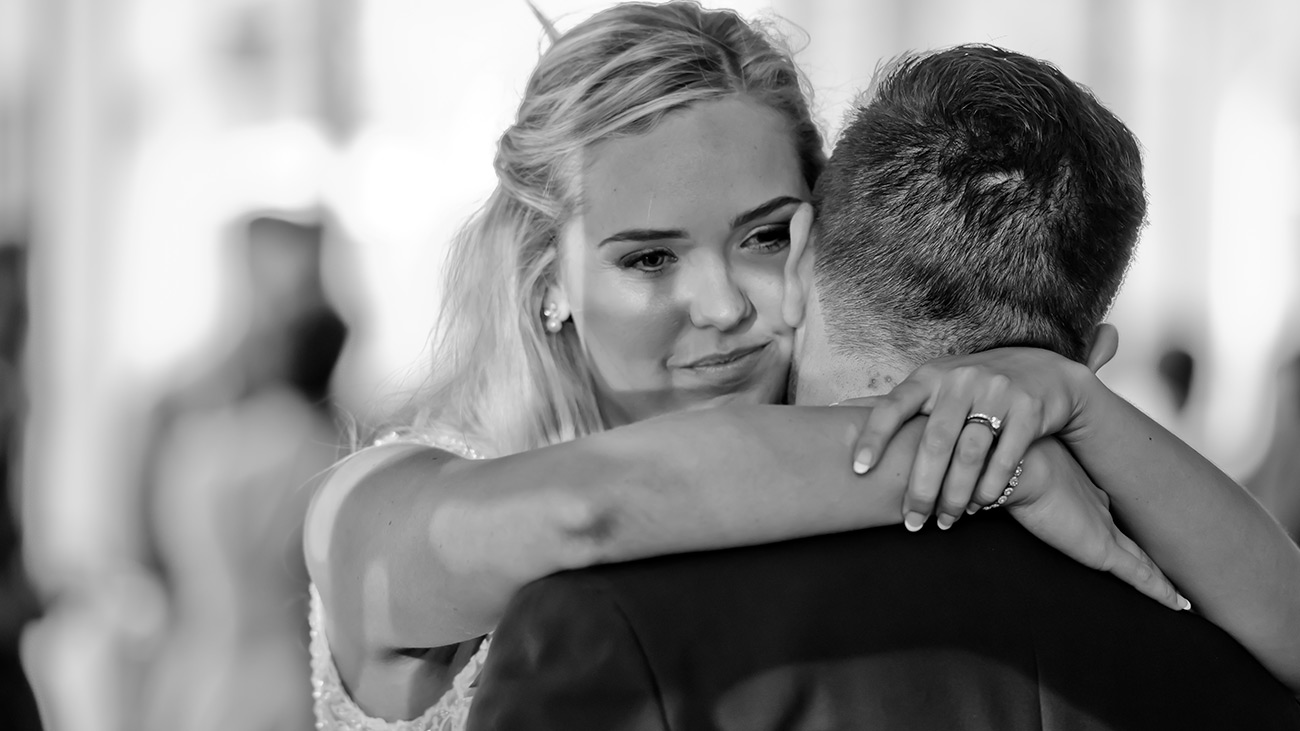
column 732, row 360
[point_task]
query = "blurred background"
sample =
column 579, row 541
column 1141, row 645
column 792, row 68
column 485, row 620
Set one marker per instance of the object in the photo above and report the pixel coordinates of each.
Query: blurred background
column 221, row 226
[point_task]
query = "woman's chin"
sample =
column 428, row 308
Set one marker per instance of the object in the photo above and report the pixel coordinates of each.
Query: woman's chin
column 624, row 410
column 747, row 397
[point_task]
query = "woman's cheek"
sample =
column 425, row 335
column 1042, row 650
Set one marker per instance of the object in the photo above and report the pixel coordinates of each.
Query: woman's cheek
column 635, row 330
column 764, row 284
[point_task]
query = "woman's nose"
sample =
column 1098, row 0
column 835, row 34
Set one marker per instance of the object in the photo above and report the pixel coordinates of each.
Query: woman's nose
column 716, row 299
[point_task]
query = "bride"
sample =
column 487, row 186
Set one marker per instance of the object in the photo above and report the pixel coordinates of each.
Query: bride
column 592, row 316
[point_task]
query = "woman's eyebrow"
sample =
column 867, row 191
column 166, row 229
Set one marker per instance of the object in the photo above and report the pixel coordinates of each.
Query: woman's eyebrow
column 659, row 234
column 775, row 204
column 644, row 234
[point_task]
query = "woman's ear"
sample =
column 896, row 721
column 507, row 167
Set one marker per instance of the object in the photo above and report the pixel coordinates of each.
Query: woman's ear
column 798, row 266
column 1105, row 343
column 556, row 301
column 556, row 295
column 556, row 306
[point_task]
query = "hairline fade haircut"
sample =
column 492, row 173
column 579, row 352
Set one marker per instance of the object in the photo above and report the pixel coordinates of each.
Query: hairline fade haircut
column 977, row 198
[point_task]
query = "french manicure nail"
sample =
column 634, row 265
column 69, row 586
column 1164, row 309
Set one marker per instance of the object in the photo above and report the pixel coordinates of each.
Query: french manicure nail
column 1183, row 604
column 862, row 462
column 945, row 521
column 914, row 521
column 972, row 509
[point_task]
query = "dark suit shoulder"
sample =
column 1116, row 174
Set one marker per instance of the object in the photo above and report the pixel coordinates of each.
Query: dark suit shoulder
column 814, row 632
column 564, row 657
column 980, row 627
column 980, row 624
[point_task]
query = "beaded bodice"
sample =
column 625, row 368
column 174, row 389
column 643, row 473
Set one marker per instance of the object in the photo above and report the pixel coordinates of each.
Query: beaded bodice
column 335, row 709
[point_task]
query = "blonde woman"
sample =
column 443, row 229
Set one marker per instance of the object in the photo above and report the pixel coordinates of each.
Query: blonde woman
column 626, row 274
column 547, row 337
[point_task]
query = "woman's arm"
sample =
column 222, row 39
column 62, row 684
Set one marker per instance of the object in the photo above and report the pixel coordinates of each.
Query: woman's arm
column 1230, row 557
column 412, row 547
column 1205, row 532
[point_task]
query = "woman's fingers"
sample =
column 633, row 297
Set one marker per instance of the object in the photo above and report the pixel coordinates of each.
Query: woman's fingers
column 934, row 455
column 967, row 464
column 1019, row 430
column 1132, row 565
column 888, row 414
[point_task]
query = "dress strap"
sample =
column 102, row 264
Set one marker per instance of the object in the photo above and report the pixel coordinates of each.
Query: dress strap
column 441, row 437
column 336, row 711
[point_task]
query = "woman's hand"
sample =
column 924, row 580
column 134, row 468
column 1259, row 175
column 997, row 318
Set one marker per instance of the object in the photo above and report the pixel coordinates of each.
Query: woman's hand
column 1057, row 502
column 1018, row 394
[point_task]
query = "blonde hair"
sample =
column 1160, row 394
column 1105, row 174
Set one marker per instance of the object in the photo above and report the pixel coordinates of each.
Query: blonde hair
column 500, row 381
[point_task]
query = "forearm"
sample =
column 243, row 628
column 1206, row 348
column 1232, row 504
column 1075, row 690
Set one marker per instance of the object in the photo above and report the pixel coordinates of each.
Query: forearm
column 1222, row 549
column 738, row 476
column 689, row 481
column 684, row 482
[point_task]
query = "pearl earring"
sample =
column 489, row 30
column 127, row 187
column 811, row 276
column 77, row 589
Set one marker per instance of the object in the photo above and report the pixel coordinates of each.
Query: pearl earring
column 551, row 313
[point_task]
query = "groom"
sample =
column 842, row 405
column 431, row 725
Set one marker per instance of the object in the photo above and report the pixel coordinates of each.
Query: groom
column 954, row 218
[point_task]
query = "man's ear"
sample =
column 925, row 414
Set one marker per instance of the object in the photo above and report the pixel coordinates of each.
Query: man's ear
column 798, row 266
column 1105, row 342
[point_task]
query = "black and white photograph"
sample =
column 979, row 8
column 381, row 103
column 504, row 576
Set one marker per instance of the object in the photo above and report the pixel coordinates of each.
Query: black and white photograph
column 673, row 365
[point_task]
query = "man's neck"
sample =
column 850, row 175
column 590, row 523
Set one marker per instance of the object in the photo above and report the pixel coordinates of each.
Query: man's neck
column 827, row 377
column 825, row 374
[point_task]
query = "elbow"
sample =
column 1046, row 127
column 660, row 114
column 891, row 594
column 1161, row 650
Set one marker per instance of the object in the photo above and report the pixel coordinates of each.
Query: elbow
column 522, row 540
column 585, row 530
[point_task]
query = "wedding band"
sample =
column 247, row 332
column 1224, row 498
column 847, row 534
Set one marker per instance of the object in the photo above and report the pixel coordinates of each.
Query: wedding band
column 1011, row 487
column 992, row 422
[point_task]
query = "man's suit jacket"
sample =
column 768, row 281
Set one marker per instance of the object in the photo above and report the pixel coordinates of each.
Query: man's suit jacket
column 980, row 627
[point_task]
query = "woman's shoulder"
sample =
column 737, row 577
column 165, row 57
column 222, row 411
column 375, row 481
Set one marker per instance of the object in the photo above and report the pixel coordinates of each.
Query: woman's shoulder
column 365, row 472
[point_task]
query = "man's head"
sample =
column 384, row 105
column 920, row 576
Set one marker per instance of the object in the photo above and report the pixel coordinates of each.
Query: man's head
column 977, row 198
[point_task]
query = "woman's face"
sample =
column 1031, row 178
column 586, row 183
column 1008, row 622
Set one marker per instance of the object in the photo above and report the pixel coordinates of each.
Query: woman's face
column 672, row 269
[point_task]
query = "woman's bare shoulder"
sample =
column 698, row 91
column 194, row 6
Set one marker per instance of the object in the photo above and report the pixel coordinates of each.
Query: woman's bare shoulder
column 366, row 472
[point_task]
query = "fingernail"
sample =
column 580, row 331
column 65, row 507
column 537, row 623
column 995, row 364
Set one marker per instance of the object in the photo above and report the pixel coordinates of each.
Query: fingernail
column 914, row 521
column 945, row 521
column 972, row 509
column 863, row 462
column 1183, row 604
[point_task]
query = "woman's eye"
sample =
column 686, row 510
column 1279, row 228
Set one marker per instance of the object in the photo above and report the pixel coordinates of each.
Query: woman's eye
column 649, row 261
column 769, row 238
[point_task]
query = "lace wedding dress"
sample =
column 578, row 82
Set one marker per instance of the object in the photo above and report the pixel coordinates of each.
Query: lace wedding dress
column 335, row 709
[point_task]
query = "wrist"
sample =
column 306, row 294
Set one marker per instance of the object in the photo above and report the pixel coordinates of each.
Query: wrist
column 1035, row 472
column 1086, row 393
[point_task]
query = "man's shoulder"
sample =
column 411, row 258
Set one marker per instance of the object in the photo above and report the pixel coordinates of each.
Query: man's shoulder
column 978, row 544
column 983, row 614
column 814, row 593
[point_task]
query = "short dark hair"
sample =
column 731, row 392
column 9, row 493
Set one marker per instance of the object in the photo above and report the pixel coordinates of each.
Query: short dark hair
column 978, row 198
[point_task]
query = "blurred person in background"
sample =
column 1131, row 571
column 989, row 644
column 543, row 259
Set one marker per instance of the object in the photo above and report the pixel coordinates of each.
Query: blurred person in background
column 234, row 452
column 1177, row 369
column 18, row 603
column 588, row 296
